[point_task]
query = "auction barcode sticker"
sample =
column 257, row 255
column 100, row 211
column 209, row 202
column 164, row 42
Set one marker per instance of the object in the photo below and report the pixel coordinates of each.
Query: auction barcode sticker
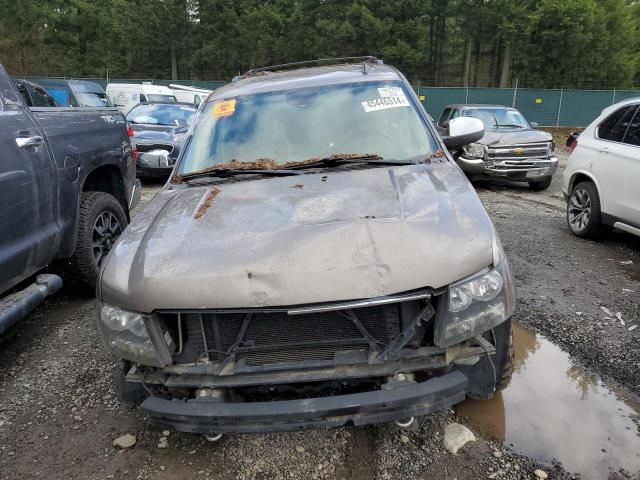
column 384, row 103
column 387, row 92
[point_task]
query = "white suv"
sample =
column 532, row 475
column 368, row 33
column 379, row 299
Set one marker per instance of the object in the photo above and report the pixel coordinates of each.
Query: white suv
column 601, row 183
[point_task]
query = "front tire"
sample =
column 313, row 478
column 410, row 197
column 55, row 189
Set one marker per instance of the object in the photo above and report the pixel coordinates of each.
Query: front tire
column 583, row 211
column 101, row 220
column 493, row 374
column 541, row 185
column 504, row 376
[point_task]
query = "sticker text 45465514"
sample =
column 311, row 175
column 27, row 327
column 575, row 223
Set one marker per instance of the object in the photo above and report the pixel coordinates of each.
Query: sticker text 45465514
column 384, row 103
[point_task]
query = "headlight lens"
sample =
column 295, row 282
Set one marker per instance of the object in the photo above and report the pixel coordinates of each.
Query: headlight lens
column 475, row 306
column 474, row 150
column 125, row 334
column 551, row 148
column 121, row 320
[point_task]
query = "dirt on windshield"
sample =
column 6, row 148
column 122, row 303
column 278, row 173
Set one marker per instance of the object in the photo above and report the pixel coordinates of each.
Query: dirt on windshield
column 271, row 164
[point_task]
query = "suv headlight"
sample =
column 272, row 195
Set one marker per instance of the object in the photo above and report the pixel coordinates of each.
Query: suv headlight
column 474, row 150
column 475, row 305
column 134, row 336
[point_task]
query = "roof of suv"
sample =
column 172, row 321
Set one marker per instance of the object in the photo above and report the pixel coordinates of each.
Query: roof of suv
column 172, row 104
column 476, row 105
column 611, row 108
column 307, row 77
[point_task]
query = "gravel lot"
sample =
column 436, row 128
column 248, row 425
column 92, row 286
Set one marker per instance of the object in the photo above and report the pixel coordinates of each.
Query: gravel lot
column 59, row 415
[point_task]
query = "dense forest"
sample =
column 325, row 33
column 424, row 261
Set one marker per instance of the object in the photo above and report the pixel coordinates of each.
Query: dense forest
column 541, row 43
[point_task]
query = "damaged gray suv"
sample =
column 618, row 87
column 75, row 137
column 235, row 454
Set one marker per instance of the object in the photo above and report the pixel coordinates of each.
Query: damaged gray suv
column 317, row 259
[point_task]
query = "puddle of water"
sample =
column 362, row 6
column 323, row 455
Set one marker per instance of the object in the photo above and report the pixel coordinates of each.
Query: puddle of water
column 553, row 409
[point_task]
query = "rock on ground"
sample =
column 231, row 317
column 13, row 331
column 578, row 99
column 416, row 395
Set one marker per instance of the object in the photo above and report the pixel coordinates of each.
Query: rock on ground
column 456, row 436
column 125, row 441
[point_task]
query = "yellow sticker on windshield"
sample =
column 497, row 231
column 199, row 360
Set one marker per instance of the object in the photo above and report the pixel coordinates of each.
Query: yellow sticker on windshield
column 224, row 108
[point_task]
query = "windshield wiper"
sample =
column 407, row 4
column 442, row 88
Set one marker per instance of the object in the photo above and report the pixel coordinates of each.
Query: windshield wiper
column 292, row 168
column 231, row 172
column 335, row 160
column 509, row 125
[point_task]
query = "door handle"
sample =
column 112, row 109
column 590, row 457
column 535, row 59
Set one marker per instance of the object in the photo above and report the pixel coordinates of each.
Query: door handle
column 603, row 150
column 26, row 142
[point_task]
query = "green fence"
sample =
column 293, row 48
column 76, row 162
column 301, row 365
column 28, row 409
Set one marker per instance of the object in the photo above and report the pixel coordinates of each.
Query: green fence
column 549, row 108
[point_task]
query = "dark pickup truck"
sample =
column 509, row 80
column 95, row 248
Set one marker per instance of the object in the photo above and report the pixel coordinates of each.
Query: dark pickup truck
column 67, row 184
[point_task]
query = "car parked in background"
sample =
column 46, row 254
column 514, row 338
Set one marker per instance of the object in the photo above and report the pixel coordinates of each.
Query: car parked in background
column 157, row 132
column 125, row 96
column 76, row 93
column 601, row 183
column 67, row 184
column 316, row 260
column 187, row 94
column 511, row 148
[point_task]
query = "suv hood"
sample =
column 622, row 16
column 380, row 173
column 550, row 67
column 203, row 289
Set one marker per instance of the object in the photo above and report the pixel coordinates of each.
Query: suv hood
column 514, row 137
column 330, row 236
column 157, row 133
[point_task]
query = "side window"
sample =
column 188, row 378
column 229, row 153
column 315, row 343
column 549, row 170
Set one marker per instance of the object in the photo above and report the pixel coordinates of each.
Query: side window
column 615, row 125
column 60, row 95
column 633, row 133
column 455, row 114
column 143, row 97
column 42, row 99
column 444, row 117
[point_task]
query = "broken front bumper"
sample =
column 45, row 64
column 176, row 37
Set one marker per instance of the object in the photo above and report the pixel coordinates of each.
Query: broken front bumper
column 519, row 170
column 386, row 405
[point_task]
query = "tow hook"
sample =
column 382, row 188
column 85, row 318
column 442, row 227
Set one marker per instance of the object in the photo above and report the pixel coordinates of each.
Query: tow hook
column 399, row 380
column 412, row 424
column 216, row 437
column 406, row 423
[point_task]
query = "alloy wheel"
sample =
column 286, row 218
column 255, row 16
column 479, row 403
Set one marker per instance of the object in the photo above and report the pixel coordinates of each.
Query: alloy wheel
column 579, row 209
column 106, row 230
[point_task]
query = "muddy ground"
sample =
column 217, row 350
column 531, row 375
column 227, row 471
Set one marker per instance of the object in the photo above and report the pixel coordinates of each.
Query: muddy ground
column 59, row 415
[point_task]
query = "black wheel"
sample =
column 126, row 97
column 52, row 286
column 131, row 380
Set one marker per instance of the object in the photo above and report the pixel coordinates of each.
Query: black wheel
column 541, row 185
column 101, row 220
column 488, row 377
column 129, row 394
column 583, row 211
column 504, row 376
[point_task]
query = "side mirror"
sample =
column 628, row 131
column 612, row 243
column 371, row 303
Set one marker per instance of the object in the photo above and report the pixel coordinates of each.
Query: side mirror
column 534, row 124
column 463, row 131
column 444, row 124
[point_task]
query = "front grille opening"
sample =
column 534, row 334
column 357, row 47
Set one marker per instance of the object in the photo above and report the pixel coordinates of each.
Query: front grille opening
column 307, row 390
column 264, row 340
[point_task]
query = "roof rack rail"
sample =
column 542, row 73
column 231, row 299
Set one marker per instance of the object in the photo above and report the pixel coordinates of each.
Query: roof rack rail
column 283, row 66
